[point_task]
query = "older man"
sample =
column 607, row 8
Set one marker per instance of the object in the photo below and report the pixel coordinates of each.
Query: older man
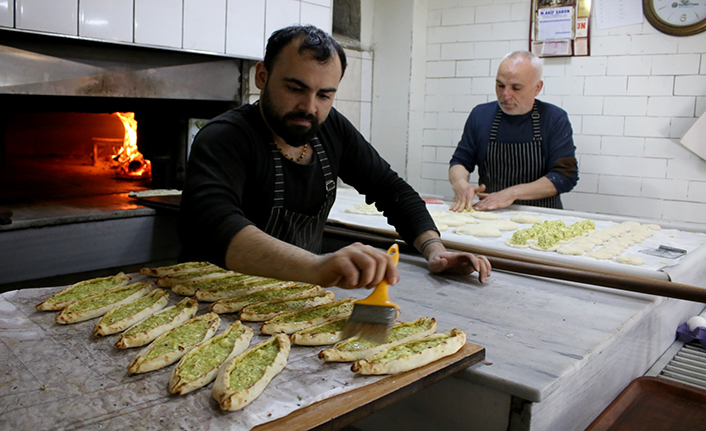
column 523, row 147
column 262, row 178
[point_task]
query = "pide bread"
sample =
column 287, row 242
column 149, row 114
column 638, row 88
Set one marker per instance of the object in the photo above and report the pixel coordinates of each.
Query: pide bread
column 355, row 348
column 190, row 287
column 250, row 285
column 97, row 305
column 157, row 324
column 173, row 269
column 200, row 366
column 175, row 343
column 120, row 318
column 82, row 289
column 320, row 335
column 296, row 320
column 262, row 311
column 211, row 271
column 411, row 355
column 242, row 379
column 233, row 305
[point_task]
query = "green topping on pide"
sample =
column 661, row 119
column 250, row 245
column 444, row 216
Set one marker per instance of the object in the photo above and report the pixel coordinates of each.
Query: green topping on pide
column 282, row 306
column 212, row 283
column 211, row 354
column 397, row 332
column 550, row 232
column 334, row 308
column 409, row 349
column 111, row 296
column 269, row 294
column 132, row 308
column 181, row 337
column 89, row 287
column 159, row 319
column 198, row 273
column 252, row 366
column 334, row 326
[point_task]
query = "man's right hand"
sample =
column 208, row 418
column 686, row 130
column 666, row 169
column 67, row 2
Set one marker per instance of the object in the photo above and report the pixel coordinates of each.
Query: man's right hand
column 355, row 266
column 464, row 194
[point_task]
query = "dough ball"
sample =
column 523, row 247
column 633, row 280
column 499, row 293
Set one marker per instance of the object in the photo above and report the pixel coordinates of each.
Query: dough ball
column 602, row 234
column 594, row 239
column 601, row 254
column 583, row 245
column 364, row 209
column 653, row 226
column 631, row 224
column 630, row 260
column 449, row 219
column 570, row 249
column 482, row 215
column 479, row 230
column 525, row 218
column 696, row 322
column 501, row 224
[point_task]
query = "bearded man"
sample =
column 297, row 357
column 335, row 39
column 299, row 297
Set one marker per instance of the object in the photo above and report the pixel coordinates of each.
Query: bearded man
column 262, row 178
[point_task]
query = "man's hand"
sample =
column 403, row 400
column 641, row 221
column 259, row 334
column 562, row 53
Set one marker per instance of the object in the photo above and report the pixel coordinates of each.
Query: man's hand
column 354, row 266
column 459, row 263
column 494, row 201
column 464, row 192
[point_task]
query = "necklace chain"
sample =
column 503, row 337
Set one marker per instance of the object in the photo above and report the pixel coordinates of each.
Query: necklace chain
column 298, row 159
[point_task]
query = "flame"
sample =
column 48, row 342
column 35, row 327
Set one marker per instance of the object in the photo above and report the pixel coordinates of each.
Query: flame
column 130, row 162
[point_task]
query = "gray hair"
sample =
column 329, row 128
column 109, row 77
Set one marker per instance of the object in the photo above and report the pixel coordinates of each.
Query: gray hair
column 527, row 56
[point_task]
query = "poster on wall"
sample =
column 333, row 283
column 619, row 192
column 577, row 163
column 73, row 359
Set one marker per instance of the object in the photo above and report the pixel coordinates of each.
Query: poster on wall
column 560, row 27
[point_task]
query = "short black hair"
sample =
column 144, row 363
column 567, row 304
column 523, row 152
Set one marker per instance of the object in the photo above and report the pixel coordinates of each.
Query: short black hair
column 314, row 41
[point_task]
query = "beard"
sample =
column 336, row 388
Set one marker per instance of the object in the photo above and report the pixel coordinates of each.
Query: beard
column 293, row 134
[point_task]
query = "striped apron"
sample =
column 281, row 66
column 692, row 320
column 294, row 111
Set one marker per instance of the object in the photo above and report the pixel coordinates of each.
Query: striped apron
column 509, row 164
column 302, row 230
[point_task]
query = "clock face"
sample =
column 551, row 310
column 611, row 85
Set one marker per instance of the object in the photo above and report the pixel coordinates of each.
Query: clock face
column 677, row 17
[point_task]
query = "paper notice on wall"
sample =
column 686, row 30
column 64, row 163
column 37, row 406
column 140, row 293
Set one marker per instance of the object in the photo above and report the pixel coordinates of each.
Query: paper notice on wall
column 695, row 138
column 555, row 23
column 617, row 13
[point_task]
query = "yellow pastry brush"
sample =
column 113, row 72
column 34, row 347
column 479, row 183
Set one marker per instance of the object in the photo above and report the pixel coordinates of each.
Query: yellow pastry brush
column 373, row 316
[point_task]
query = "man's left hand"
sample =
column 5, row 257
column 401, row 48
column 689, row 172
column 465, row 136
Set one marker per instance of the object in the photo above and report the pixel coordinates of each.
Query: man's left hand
column 459, row 263
column 494, row 201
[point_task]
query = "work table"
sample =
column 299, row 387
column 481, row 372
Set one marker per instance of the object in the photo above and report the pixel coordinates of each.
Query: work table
column 563, row 350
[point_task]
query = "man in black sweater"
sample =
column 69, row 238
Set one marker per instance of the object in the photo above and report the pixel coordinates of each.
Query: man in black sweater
column 262, row 178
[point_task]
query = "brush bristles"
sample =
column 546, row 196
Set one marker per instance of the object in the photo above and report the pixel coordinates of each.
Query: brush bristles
column 370, row 322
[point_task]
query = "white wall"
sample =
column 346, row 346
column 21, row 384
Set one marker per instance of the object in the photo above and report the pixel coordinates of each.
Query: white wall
column 629, row 104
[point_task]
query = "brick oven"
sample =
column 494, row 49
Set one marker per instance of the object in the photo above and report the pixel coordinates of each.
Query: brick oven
column 64, row 202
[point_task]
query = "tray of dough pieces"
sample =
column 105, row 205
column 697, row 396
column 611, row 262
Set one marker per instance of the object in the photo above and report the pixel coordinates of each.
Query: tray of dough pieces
column 616, row 244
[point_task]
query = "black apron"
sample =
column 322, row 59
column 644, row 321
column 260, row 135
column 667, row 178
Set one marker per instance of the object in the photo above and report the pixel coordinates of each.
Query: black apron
column 509, row 164
column 302, row 230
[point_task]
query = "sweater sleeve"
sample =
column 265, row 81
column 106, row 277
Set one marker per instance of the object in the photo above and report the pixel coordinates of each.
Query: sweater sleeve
column 561, row 154
column 211, row 213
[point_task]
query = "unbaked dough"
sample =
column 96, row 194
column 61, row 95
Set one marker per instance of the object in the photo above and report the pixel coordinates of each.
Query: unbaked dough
column 525, row 218
column 364, row 209
column 479, row 230
column 570, row 249
column 482, row 215
column 601, row 254
column 501, row 224
column 630, row 260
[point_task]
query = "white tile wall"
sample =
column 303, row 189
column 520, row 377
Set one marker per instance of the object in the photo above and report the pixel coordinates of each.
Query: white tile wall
column 629, row 103
column 205, row 25
column 7, row 13
column 106, row 19
column 55, row 16
column 279, row 14
column 159, row 22
column 245, row 29
column 317, row 15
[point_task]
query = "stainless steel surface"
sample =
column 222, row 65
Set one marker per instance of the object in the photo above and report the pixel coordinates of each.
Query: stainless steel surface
column 45, row 65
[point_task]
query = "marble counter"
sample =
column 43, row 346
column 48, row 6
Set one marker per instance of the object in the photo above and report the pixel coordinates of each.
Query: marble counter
column 563, row 350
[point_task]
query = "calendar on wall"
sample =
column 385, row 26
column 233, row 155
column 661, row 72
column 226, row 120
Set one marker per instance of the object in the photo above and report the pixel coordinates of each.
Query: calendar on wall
column 560, row 28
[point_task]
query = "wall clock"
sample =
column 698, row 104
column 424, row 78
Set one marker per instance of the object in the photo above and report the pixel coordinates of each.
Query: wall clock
column 676, row 17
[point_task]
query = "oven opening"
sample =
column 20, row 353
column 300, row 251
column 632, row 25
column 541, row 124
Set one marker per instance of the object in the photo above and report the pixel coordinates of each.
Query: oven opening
column 68, row 147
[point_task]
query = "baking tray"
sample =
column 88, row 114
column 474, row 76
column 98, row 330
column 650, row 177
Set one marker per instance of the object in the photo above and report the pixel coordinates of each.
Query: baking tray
column 656, row 404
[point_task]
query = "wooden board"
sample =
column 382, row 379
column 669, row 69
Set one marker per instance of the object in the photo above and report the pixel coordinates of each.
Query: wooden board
column 653, row 403
column 341, row 410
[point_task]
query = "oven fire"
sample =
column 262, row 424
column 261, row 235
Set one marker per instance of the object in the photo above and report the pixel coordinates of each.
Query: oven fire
column 130, row 163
